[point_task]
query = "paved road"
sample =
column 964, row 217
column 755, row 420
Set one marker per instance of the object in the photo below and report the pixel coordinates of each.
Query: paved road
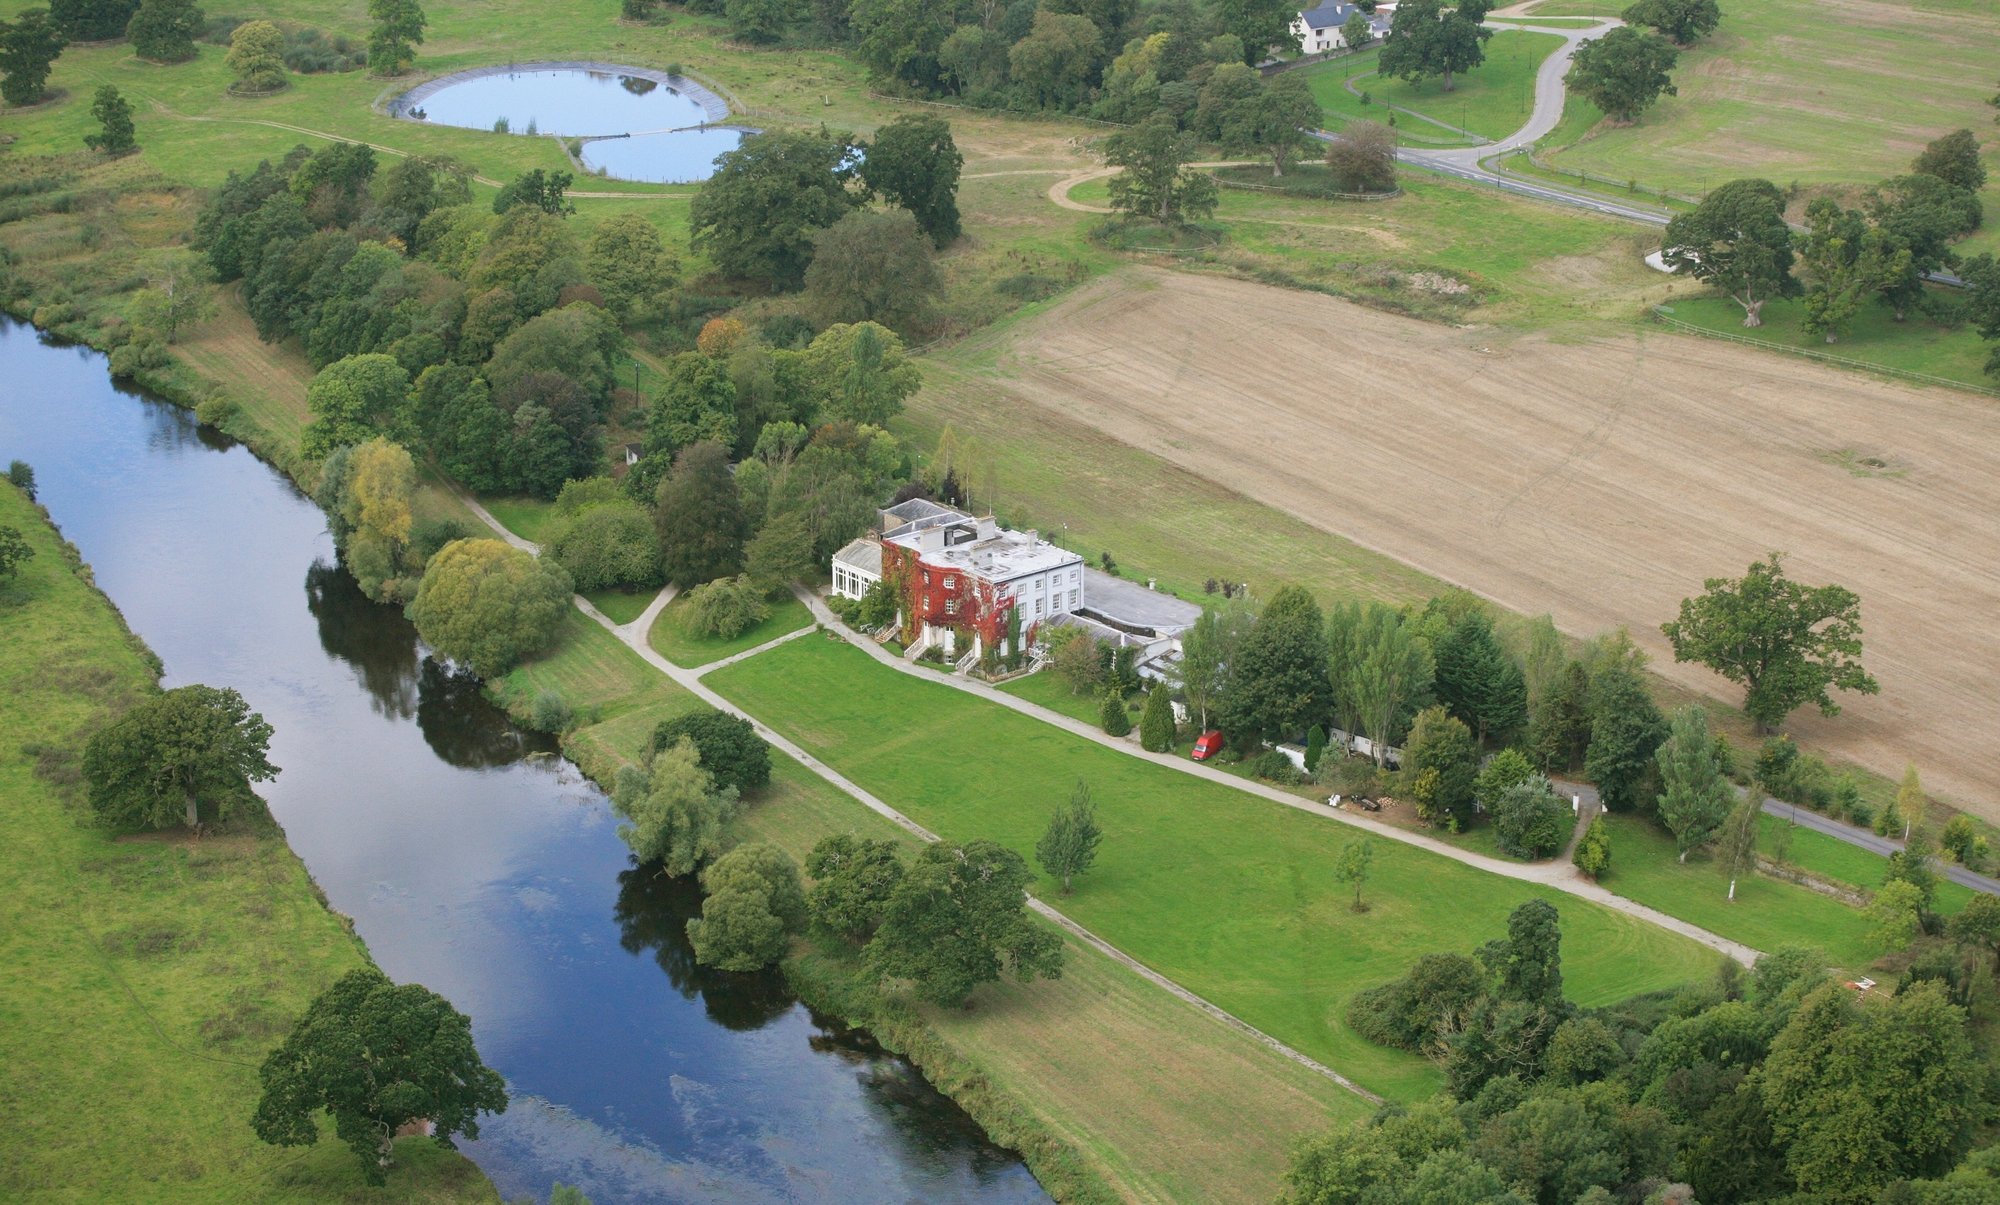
column 1869, row 841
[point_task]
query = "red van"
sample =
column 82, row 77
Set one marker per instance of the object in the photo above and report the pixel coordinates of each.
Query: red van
column 1207, row 745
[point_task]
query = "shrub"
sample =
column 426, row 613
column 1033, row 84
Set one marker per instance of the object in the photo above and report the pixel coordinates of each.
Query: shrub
column 725, row 608
column 1351, row 776
column 1530, row 820
column 550, row 713
column 1116, row 719
column 429, row 535
column 1958, row 838
column 1156, row 723
column 1593, row 853
column 754, row 903
column 1507, row 768
column 1275, row 766
column 1315, row 747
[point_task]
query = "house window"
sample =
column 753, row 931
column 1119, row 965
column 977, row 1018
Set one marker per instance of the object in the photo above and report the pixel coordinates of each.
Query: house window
column 1038, row 606
column 950, row 582
column 951, row 606
column 1074, row 574
column 1072, row 600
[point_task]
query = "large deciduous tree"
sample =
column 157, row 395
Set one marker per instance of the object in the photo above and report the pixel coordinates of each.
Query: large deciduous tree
column 1431, row 38
column 1393, row 671
column 1278, row 684
column 164, row 30
column 1982, row 278
column 257, row 56
column 629, row 265
column 1053, row 66
column 957, row 918
column 1695, row 797
column 674, row 811
column 1156, row 181
column 1068, row 845
column 352, row 400
column 1954, row 159
column 900, row 39
column 699, row 517
column 1287, row 114
column 1623, row 72
column 92, row 20
column 853, row 878
column 1784, row 642
column 376, row 1056
column 1846, row 260
column 1737, row 240
column 728, row 746
column 873, row 265
column 29, row 46
column 1921, row 214
column 1682, row 20
column 753, row 904
column 395, row 36
column 1531, row 820
column 171, row 756
column 756, row 216
column 1862, row 1097
column 1258, row 25
column 859, row 374
column 913, row 162
column 486, row 605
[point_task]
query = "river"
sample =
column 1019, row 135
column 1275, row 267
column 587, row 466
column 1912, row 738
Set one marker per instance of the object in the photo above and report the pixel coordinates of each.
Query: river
column 473, row 858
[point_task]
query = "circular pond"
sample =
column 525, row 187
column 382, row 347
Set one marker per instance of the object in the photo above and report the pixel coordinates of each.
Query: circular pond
column 632, row 123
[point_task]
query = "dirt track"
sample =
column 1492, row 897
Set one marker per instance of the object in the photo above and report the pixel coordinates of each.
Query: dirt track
column 1598, row 481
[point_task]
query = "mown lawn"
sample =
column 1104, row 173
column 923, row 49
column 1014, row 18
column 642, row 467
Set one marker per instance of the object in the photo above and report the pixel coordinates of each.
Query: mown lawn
column 1492, row 100
column 1048, row 690
column 671, row 638
column 1766, row 913
column 146, row 978
column 1224, row 892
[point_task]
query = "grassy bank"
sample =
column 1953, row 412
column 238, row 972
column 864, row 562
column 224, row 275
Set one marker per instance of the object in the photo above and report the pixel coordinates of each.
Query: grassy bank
column 147, row 977
column 1225, row 893
column 1112, row 1088
column 1492, row 100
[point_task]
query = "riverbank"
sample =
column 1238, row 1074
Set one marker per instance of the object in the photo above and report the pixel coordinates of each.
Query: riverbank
column 148, row 976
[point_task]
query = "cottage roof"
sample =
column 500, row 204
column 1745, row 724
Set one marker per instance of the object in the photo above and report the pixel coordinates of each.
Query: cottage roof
column 1328, row 16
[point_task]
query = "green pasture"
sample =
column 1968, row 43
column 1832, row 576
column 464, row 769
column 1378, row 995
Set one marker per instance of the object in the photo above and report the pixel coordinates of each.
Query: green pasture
column 672, row 639
column 1492, row 100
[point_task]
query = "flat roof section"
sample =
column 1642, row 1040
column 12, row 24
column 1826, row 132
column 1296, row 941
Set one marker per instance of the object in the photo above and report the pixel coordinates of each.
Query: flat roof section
column 1130, row 603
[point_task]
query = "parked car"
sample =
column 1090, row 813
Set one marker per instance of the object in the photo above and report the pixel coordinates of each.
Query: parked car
column 1207, row 745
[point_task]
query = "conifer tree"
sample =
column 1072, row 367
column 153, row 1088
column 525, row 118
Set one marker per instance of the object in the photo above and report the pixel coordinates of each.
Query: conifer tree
column 1156, row 723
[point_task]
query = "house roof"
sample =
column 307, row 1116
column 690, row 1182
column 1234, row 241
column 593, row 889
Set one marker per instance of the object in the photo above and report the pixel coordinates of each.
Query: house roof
column 1332, row 16
column 864, row 554
column 1133, row 605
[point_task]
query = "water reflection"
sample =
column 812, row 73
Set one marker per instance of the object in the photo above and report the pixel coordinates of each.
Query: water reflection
column 463, row 728
column 383, row 657
column 467, row 863
column 653, row 912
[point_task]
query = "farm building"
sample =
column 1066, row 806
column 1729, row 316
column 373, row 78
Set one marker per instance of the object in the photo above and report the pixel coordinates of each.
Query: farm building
column 965, row 584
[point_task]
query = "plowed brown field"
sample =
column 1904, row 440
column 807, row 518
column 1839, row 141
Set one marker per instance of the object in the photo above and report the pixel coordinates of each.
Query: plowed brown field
column 1599, row 481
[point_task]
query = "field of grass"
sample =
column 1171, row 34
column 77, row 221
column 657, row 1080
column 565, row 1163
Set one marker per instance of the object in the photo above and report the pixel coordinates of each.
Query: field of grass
column 1767, row 913
column 1048, row 690
column 1230, row 1105
column 1226, row 893
column 1492, row 100
column 1812, row 91
column 146, row 977
column 1832, row 858
column 528, row 518
column 671, row 639
column 622, row 606
column 1916, row 345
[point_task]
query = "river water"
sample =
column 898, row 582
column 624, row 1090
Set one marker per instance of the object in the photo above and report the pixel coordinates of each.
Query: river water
column 472, row 858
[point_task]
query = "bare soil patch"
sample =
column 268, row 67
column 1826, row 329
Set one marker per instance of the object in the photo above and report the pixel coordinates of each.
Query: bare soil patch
column 1599, row 481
